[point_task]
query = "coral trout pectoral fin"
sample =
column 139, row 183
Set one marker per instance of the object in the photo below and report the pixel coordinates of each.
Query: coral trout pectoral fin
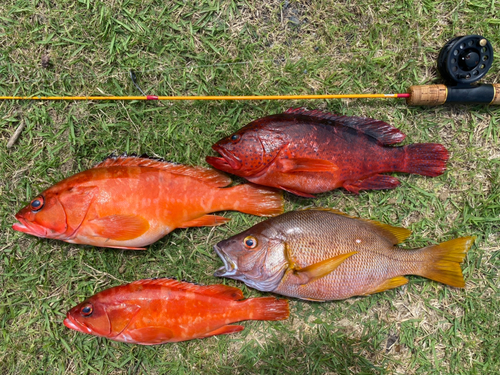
column 205, row 221
column 223, row 331
column 151, row 335
column 375, row 182
column 119, row 227
column 297, row 192
column 306, row 165
column 318, row 270
column 389, row 284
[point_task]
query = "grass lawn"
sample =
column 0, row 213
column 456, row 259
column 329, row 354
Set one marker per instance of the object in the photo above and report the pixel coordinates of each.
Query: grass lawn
column 244, row 48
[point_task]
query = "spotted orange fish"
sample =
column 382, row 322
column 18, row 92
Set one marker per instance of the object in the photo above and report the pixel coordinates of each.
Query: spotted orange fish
column 323, row 254
column 307, row 152
column 130, row 202
column 156, row 311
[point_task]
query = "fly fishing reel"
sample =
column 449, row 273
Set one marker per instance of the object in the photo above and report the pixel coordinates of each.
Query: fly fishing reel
column 465, row 59
column 461, row 62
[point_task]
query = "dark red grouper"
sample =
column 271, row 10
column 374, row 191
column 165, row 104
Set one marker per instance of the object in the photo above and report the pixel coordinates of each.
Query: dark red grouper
column 307, row 152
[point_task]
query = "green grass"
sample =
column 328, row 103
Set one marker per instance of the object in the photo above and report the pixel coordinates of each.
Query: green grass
column 231, row 47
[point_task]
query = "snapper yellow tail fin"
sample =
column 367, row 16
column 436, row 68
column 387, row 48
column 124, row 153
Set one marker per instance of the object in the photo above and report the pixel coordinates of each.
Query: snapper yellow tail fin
column 444, row 261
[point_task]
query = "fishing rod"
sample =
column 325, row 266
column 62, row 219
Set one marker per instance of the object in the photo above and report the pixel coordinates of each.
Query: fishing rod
column 461, row 62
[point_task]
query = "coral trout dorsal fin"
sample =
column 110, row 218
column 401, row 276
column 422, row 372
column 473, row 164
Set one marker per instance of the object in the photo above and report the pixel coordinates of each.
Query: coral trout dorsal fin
column 394, row 234
column 208, row 175
column 384, row 133
column 218, row 290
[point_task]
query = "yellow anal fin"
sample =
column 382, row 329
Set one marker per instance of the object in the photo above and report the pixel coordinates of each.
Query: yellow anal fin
column 318, row 270
column 205, row 221
column 390, row 284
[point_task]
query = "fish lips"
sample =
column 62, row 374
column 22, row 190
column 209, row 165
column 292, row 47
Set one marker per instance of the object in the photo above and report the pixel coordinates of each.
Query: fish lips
column 228, row 161
column 230, row 269
column 71, row 323
column 25, row 226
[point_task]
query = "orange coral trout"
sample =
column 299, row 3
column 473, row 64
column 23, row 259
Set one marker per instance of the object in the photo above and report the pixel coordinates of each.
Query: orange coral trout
column 130, row 202
column 156, row 311
column 323, row 254
column 307, row 152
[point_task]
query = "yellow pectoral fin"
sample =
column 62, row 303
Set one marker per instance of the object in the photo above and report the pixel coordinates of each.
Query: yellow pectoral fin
column 320, row 269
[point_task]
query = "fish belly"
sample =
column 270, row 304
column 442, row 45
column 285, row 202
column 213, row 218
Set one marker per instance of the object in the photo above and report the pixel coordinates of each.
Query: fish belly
column 360, row 274
column 353, row 156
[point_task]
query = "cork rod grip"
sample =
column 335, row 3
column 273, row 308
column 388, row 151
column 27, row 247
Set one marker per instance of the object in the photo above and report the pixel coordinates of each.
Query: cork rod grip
column 496, row 97
column 430, row 95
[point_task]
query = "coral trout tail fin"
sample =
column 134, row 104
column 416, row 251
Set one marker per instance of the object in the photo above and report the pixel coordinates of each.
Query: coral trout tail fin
column 255, row 200
column 426, row 159
column 443, row 261
column 266, row 308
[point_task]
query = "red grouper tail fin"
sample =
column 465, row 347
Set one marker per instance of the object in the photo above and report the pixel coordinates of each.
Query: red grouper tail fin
column 442, row 261
column 253, row 199
column 265, row 308
column 426, row 159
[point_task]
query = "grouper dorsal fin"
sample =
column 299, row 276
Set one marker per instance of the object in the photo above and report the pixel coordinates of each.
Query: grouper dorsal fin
column 394, row 234
column 218, row 290
column 384, row 133
column 207, row 175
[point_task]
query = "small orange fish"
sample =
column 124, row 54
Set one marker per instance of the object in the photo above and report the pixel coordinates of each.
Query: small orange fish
column 130, row 202
column 323, row 254
column 156, row 311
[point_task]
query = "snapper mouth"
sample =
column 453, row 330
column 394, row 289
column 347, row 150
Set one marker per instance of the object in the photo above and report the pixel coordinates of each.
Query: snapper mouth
column 229, row 268
column 227, row 161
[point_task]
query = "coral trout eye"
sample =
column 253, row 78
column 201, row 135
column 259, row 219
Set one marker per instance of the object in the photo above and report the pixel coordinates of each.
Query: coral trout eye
column 250, row 242
column 87, row 310
column 235, row 137
column 37, row 204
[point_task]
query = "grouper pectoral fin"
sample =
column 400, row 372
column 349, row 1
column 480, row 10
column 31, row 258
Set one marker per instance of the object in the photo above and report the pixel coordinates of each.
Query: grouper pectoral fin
column 318, row 270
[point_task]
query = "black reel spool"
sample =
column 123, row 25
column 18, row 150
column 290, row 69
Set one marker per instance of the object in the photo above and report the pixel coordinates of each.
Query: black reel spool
column 465, row 59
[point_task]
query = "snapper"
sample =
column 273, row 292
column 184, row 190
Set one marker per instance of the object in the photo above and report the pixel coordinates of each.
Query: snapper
column 324, row 254
column 307, row 152
column 129, row 202
column 156, row 311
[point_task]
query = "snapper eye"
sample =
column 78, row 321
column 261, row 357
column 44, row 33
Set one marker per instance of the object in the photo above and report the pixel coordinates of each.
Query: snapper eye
column 37, row 204
column 250, row 242
column 87, row 310
column 235, row 137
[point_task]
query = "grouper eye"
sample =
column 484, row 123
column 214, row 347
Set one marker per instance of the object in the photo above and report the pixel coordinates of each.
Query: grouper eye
column 250, row 242
column 87, row 310
column 37, row 204
column 235, row 137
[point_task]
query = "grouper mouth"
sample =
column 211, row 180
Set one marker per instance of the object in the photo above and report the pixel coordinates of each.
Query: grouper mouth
column 229, row 268
column 227, row 161
column 25, row 226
